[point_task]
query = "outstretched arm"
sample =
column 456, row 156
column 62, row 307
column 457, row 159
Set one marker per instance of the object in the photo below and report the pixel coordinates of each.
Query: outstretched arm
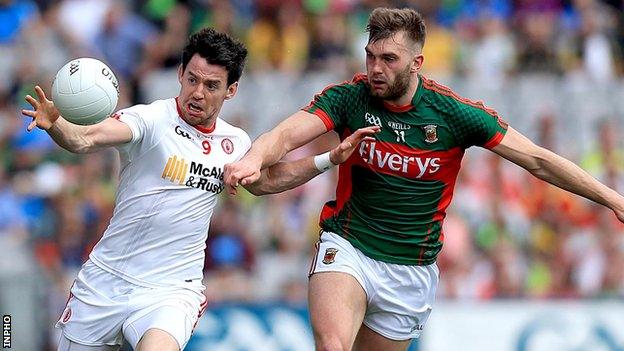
column 284, row 176
column 72, row 137
column 554, row 169
column 298, row 129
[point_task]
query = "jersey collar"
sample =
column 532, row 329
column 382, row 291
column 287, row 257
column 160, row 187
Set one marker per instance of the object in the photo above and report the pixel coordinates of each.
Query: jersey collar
column 415, row 99
column 199, row 128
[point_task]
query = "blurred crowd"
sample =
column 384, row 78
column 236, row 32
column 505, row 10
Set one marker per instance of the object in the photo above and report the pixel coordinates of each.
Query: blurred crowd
column 508, row 235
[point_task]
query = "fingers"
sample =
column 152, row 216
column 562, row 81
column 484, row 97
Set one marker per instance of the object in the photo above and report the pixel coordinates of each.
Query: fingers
column 251, row 179
column 232, row 190
column 31, row 100
column 32, row 125
column 363, row 133
column 40, row 94
column 29, row 113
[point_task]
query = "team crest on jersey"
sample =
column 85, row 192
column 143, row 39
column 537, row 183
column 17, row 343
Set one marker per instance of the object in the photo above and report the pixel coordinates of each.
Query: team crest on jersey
column 227, row 145
column 330, row 255
column 431, row 133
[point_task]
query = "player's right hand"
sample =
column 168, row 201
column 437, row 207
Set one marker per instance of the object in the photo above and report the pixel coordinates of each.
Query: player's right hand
column 343, row 151
column 44, row 114
column 243, row 172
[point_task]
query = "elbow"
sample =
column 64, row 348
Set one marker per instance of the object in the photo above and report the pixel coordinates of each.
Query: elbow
column 84, row 145
column 540, row 167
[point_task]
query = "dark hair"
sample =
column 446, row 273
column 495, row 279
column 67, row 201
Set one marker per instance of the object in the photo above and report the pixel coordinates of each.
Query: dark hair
column 384, row 23
column 218, row 49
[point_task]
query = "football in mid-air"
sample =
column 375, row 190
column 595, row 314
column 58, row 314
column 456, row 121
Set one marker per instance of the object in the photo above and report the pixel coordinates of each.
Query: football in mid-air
column 85, row 91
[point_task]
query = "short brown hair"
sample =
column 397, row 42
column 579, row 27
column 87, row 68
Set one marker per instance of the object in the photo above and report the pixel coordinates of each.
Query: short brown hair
column 384, row 23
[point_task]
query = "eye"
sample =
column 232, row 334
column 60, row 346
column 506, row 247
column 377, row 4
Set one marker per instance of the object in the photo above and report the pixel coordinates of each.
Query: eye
column 192, row 80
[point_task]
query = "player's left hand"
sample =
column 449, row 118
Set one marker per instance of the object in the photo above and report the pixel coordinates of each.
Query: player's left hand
column 343, row 151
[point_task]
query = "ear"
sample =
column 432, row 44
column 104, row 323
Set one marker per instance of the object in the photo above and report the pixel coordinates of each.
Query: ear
column 231, row 90
column 417, row 63
column 180, row 73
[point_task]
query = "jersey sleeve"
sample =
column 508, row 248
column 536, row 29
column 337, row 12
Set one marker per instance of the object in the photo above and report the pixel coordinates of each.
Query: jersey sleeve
column 133, row 119
column 142, row 123
column 245, row 143
column 479, row 126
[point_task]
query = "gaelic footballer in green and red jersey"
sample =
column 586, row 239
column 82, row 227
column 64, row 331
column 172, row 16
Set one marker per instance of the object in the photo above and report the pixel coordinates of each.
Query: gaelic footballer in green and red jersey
column 393, row 192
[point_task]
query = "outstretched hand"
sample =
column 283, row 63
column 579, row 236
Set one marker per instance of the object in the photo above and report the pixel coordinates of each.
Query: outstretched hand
column 343, row 151
column 44, row 114
column 242, row 172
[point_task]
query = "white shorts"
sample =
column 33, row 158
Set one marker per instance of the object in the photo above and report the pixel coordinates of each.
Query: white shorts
column 103, row 308
column 400, row 297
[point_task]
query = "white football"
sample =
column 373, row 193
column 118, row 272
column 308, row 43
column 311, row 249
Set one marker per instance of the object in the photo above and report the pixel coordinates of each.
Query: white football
column 85, row 91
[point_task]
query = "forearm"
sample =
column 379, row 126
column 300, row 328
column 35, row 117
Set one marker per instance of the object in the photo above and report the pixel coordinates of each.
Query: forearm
column 70, row 137
column 284, row 176
column 565, row 174
column 296, row 130
column 268, row 149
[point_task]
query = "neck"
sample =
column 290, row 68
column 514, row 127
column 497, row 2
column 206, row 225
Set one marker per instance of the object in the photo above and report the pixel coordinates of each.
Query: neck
column 207, row 127
column 406, row 98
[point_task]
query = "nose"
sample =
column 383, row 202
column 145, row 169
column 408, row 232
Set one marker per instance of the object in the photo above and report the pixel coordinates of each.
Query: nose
column 198, row 92
column 374, row 66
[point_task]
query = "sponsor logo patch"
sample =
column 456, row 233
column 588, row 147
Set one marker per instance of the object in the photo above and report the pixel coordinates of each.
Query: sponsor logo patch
column 195, row 175
column 372, row 119
column 181, row 132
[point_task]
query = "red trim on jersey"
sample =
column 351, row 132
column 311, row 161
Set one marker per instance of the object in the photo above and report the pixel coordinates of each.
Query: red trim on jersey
column 67, row 302
column 327, row 121
column 446, row 91
column 317, row 247
column 445, row 201
column 495, row 140
column 202, row 309
column 397, row 108
column 344, row 186
column 199, row 128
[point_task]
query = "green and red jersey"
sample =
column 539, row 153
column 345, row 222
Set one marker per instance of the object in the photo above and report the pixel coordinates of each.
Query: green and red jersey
column 393, row 192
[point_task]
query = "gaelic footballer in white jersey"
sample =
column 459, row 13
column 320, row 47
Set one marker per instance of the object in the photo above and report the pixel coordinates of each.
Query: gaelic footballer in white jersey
column 164, row 203
column 146, row 271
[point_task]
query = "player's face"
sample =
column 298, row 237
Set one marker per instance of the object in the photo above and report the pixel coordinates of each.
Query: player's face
column 391, row 65
column 203, row 89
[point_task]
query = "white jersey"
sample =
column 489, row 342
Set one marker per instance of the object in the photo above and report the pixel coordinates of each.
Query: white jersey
column 170, row 178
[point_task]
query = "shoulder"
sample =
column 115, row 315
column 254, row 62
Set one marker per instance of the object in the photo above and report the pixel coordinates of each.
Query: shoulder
column 228, row 129
column 157, row 108
column 239, row 141
column 447, row 101
column 357, row 84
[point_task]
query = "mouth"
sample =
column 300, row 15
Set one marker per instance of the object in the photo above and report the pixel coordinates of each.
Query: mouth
column 378, row 83
column 194, row 109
